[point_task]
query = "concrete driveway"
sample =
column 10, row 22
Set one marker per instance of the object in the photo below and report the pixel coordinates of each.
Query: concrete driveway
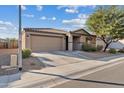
column 58, row 58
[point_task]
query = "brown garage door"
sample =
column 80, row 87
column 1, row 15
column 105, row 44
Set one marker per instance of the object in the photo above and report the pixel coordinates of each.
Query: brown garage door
column 46, row 43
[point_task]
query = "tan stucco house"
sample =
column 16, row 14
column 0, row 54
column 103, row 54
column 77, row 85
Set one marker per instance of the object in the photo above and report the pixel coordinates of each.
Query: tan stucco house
column 48, row 39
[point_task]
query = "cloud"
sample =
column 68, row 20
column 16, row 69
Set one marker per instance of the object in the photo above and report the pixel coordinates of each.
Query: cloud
column 2, row 28
column 53, row 18
column 23, row 7
column 28, row 15
column 74, row 8
column 2, row 23
column 83, row 16
column 39, row 7
column 43, row 18
column 74, row 22
column 7, row 29
column 78, row 22
column 71, row 10
column 46, row 18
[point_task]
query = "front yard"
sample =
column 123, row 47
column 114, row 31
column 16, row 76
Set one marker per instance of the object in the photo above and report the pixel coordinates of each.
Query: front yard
column 59, row 58
column 32, row 63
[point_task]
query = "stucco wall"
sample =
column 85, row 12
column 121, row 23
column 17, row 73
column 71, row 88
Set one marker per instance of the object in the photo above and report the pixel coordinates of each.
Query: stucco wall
column 27, row 38
column 100, row 42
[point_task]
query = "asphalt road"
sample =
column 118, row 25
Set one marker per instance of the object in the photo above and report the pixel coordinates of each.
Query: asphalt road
column 112, row 77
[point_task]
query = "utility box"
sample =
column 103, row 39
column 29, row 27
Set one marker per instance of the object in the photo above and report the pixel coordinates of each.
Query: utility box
column 13, row 62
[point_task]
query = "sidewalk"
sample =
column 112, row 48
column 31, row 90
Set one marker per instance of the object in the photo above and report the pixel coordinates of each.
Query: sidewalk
column 53, row 75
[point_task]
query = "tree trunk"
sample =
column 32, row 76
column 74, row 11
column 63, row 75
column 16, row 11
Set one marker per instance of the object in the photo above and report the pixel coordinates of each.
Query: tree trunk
column 106, row 46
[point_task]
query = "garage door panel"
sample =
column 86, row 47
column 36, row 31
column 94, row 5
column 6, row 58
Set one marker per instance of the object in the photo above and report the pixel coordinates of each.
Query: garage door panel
column 46, row 43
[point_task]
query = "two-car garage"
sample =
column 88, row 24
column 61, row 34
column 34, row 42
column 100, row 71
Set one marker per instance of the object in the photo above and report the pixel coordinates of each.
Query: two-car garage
column 46, row 43
column 42, row 40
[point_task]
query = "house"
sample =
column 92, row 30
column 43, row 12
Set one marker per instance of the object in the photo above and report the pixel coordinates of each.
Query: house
column 3, row 43
column 49, row 39
column 8, row 43
column 116, row 45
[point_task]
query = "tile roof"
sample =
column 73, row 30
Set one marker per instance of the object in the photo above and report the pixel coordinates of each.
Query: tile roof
column 86, row 30
column 52, row 30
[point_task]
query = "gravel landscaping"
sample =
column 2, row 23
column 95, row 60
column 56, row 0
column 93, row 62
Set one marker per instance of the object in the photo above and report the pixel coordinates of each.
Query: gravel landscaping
column 32, row 63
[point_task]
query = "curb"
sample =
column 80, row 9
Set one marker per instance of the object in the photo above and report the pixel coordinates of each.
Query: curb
column 53, row 81
column 88, row 71
column 74, row 75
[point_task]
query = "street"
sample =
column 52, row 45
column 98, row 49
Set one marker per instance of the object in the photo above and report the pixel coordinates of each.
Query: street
column 53, row 76
column 112, row 77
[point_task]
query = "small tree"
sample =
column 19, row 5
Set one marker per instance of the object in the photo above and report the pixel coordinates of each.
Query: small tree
column 108, row 24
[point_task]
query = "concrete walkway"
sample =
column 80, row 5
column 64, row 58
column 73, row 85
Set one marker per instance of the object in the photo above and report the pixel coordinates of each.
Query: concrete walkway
column 53, row 75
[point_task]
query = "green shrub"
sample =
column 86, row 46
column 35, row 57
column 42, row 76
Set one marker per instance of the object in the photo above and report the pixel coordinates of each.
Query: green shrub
column 88, row 48
column 121, row 50
column 26, row 53
column 112, row 50
column 99, row 47
column 85, row 47
column 93, row 49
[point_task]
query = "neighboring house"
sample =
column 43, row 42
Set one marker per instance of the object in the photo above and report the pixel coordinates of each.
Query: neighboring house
column 48, row 39
column 117, row 45
column 8, row 43
column 3, row 43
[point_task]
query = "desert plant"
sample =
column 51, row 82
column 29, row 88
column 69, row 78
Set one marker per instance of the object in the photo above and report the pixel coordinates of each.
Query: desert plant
column 107, row 23
column 26, row 53
column 112, row 50
column 93, row 49
column 88, row 48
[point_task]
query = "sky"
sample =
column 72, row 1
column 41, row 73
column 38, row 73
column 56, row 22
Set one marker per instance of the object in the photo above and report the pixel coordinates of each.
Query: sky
column 47, row 16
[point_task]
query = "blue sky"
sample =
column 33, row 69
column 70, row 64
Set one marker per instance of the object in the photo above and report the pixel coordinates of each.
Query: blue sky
column 8, row 21
column 47, row 16
column 61, row 17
